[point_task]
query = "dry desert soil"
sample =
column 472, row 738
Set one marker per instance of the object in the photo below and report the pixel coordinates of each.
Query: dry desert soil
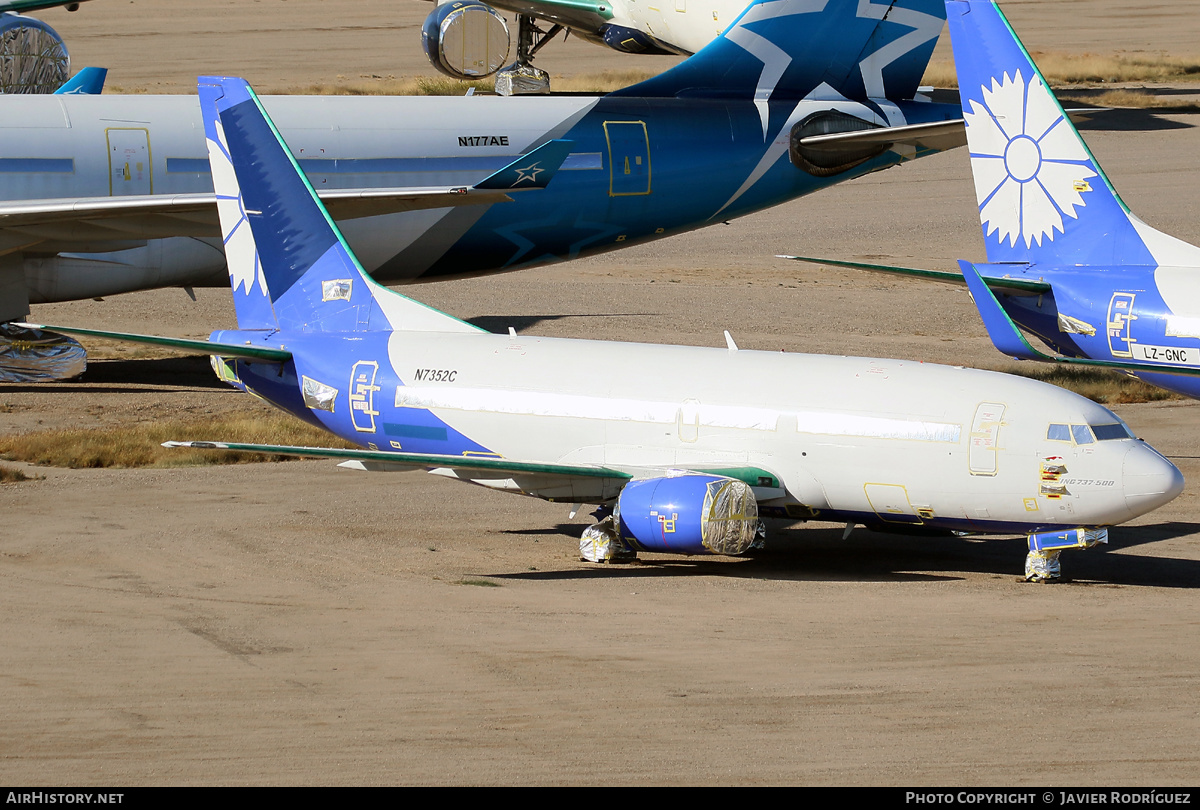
column 296, row 623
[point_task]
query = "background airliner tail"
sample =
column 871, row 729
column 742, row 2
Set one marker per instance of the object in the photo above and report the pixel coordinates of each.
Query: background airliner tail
column 289, row 266
column 786, row 49
column 1042, row 196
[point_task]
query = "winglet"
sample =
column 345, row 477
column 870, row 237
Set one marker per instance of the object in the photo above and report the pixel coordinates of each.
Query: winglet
column 1000, row 328
column 532, row 170
column 89, row 81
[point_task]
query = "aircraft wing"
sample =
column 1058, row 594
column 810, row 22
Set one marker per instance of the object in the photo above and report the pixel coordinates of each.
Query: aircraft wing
column 764, row 484
column 1012, row 286
column 389, row 461
column 584, row 16
column 1007, row 337
column 245, row 352
column 27, row 222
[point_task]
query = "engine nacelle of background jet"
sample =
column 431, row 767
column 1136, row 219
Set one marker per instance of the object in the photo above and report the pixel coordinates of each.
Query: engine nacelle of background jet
column 688, row 514
column 33, row 58
column 630, row 40
column 465, row 39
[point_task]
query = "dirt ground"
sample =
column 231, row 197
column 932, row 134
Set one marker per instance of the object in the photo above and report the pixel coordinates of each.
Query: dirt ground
column 300, row 624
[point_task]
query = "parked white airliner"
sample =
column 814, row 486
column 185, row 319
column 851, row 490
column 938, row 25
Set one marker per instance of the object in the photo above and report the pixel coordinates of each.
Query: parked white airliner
column 685, row 446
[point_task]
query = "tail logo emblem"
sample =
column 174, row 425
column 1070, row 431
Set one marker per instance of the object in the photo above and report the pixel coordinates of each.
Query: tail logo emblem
column 1030, row 168
column 362, row 395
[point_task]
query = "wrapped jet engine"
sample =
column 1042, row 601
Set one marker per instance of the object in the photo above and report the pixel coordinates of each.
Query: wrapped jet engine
column 688, row 514
column 465, row 39
column 33, row 58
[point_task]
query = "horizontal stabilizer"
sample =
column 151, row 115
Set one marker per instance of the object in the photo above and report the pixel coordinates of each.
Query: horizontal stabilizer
column 937, row 136
column 532, row 170
column 1012, row 285
column 182, row 344
column 1008, row 338
column 145, row 216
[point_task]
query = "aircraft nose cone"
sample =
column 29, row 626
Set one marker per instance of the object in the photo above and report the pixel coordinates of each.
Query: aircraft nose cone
column 1149, row 479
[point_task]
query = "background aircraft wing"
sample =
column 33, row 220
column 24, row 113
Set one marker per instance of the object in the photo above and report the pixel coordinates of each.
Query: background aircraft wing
column 1013, row 286
column 27, row 222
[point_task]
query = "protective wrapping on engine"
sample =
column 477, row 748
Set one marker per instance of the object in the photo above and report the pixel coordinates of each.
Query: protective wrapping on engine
column 33, row 58
column 730, row 518
column 688, row 513
column 31, row 355
column 522, row 80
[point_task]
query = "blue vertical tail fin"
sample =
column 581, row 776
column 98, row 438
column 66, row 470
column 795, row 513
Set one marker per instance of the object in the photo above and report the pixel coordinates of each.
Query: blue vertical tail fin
column 89, row 81
column 1043, row 197
column 289, row 266
column 787, row 49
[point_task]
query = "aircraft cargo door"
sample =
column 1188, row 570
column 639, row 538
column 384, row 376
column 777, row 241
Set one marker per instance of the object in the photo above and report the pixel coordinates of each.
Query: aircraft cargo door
column 628, row 158
column 129, row 169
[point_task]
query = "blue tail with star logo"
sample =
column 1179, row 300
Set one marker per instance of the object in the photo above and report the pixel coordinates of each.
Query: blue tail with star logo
column 779, row 50
column 1043, row 197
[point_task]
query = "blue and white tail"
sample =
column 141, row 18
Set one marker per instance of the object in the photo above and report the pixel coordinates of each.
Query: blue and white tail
column 289, row 266
column 1042, row 196
column 786, row 49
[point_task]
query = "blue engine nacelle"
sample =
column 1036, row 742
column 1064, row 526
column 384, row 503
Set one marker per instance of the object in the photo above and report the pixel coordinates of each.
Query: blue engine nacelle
column 33, row 58
column 688, row 514
column 465, row 39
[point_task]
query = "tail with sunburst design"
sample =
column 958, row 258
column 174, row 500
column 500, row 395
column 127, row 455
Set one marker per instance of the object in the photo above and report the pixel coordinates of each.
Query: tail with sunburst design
column 1043, row 197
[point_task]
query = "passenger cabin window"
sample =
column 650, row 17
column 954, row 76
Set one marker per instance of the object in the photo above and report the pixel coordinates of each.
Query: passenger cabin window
column 1059, row 433
column 1082, row 434
column 1107, row 433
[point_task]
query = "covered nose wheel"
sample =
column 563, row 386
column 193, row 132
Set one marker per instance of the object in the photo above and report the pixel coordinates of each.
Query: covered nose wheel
column 1042, row 565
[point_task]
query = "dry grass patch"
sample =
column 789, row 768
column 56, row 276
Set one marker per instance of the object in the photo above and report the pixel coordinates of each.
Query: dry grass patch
column 140, row 445
column 1139, row 99
column 1089, row 68
column 1098, row 385
column 11, row 475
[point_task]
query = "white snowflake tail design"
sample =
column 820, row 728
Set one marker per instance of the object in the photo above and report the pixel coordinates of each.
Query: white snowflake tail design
column 1042, row 196
column 251, row 299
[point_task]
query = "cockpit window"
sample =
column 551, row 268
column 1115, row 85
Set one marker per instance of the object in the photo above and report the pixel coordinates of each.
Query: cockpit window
column 1109, row 432
column 1082, row 434
column 1059, row 433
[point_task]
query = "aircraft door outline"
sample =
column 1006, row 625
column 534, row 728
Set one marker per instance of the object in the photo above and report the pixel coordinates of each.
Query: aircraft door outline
column 130, row 165
column 984, row 439
column 891, row 503
column 1120, row 318
column 628, row 158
